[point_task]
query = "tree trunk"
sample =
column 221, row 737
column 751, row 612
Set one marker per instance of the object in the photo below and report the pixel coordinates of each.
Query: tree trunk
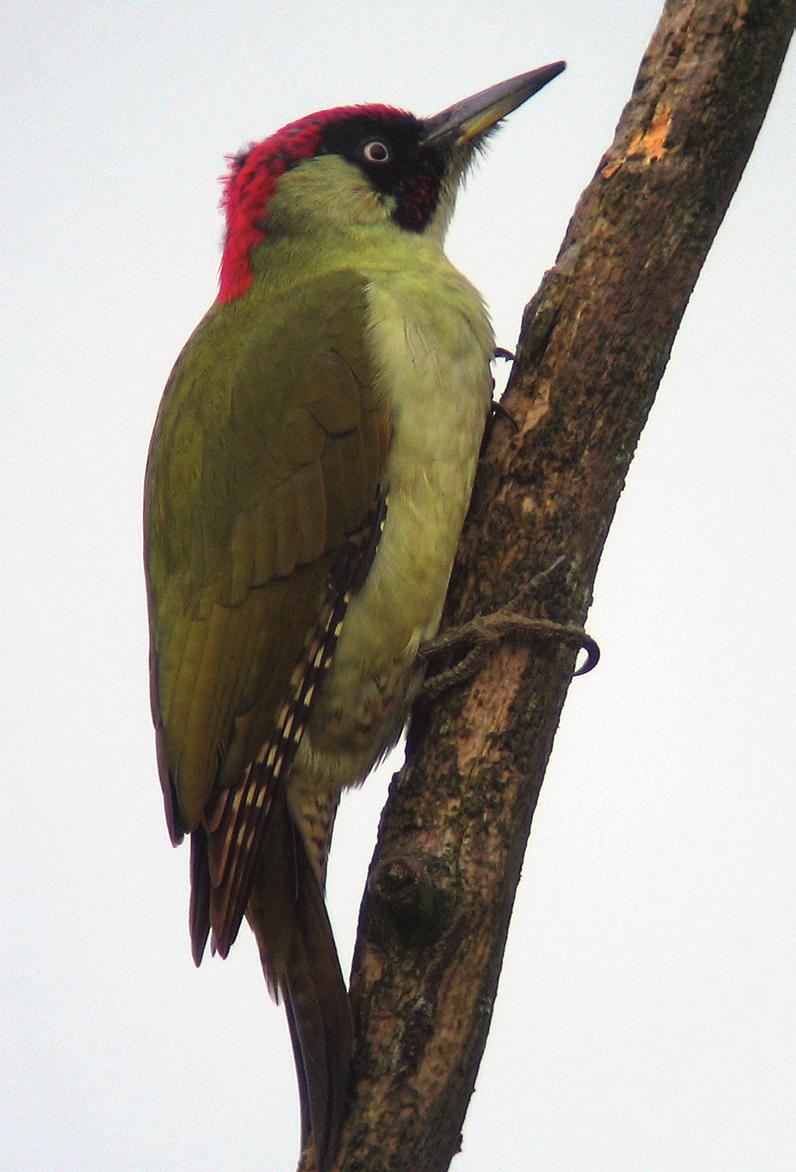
column 594, row 343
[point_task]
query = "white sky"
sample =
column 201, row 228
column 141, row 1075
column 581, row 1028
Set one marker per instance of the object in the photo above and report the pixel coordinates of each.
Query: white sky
column 646, row 1018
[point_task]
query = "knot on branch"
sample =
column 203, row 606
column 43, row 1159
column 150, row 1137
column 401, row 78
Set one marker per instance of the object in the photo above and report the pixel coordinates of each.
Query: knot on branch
column 412, row 897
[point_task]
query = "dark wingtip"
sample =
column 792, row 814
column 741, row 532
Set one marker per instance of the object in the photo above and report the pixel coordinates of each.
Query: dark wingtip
column 199, row 910
column 171, row 805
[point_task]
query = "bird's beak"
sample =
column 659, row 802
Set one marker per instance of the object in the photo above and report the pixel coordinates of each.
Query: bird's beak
column 472, row 118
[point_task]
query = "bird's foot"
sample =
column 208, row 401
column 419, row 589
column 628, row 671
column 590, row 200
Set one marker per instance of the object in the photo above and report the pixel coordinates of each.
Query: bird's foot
column 501, row 412
column 482, row 634
column 498, row 411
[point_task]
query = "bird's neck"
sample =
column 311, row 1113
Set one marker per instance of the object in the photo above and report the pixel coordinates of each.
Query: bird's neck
column 324, row 217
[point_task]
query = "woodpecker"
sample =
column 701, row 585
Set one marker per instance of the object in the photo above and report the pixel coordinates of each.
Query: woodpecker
column 308, row 477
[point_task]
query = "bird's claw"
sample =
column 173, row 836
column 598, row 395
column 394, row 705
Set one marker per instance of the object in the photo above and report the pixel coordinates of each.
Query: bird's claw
column 483, row 632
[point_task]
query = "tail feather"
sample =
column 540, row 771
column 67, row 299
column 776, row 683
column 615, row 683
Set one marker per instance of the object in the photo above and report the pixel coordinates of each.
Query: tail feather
column 288, row 916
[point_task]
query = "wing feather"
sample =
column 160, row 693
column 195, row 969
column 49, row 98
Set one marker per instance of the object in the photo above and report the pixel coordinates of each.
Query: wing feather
column 264, row 469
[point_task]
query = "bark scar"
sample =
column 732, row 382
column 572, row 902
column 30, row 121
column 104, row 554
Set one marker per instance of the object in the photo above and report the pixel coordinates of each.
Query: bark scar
column 647, row 145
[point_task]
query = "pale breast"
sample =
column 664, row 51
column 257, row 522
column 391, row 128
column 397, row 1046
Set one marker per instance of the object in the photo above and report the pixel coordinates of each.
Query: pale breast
column 433, row 344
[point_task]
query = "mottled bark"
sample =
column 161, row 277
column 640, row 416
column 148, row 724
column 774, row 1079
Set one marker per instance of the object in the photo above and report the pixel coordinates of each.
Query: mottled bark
column 594, row 344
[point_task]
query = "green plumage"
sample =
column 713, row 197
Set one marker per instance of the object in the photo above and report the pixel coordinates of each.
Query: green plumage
column 268, row 451
column 308, row 478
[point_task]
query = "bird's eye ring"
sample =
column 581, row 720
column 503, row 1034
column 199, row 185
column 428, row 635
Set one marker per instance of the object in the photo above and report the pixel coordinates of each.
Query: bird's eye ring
column 376, row 151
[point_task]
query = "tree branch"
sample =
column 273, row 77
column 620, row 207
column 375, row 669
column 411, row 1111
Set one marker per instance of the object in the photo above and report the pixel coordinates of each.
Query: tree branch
column 594, row 344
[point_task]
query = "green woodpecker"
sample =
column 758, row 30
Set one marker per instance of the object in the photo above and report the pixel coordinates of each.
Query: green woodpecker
column 307, row 482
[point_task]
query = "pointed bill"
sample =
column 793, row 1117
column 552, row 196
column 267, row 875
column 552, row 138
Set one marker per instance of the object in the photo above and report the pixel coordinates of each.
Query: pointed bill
column 473, row 117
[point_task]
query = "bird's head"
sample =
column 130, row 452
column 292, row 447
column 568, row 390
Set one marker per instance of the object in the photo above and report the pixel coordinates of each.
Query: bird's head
column 355, row 166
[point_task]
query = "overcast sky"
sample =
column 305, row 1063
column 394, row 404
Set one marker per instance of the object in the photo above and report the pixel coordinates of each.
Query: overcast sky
column 646, row 1016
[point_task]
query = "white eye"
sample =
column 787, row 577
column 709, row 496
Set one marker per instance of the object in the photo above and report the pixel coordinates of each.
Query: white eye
column 376, row 151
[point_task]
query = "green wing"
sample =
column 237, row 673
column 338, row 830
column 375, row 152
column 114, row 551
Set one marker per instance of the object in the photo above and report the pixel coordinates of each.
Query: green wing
column 268, row 452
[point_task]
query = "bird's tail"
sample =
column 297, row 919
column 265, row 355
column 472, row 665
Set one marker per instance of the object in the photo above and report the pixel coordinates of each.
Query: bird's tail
column 287, row 914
